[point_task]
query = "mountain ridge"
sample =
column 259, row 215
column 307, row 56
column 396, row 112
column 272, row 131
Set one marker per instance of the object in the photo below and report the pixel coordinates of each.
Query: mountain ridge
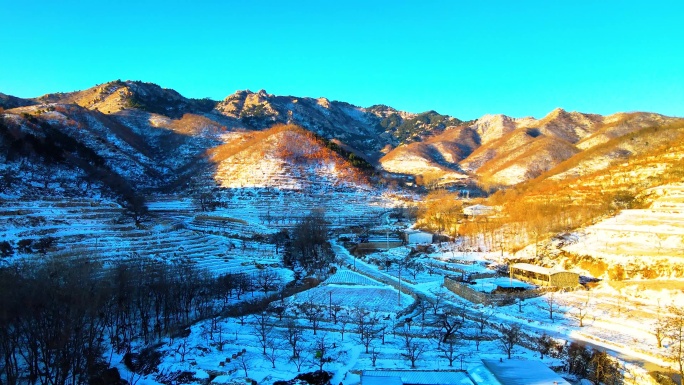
column 162, row 138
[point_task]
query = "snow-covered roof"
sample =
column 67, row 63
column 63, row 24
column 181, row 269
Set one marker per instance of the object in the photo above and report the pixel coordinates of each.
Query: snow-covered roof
column 477, row 210
column 523, row 372
column 371, row 380
column 482, row 376
column 533, row 268
column 417, row 377
column 414, row 231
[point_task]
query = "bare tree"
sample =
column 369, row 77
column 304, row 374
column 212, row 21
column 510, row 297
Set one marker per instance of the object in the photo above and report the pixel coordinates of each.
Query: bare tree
column 374, row 354
column 660, row 327
column 182, row 349
column 366, row 327
column 550, row 304
column 298, row 358
column 313, row 312
column 620, row 302
column 243, row 362
column 411, row 266
column 335, row 309
column 267, row 280
column 439, row 298
column 262, row 329
column 423, row 305
column 205, row 200
column 243, row 284
column 344, row 320
column 448, row 325
column 135, row 206
column 273, row 353
column 309, row 246
column 544, row 344
column 294, row 336
column 675, row 333
column 482, row 318
column 580, row 310
column 413, row 349
column 322, row 351
column 278, row 308
column 220, row 342
column 449, row 349
column 510, row 336
column 432, row 268
column 603, row 369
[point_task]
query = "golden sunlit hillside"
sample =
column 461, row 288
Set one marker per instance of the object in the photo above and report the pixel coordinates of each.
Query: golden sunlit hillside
column 589, row 186
column 285, row 156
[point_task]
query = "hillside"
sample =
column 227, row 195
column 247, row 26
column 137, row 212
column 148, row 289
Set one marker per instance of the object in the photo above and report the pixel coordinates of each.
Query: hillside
column 118, row 95
column 282, row 157
column 168, row 221
column 614, row 203
column 155, row 138
column 503, row 151
column 366, row 130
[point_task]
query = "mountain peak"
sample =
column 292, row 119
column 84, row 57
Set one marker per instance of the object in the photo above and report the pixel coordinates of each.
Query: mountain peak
column 557, row 111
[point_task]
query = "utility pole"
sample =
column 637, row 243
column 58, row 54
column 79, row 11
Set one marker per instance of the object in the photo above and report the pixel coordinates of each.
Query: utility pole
column 399, row 294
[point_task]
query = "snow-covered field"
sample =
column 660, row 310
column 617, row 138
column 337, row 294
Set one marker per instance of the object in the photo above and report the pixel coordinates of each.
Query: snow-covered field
column 651, row 234
column 402, row 303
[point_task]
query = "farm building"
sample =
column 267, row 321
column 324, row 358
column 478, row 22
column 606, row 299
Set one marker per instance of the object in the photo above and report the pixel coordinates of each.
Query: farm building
column 488, row 372
column 379, row 242
column 414, row 377
column 543, row 276
column 417, row 236
column 514, row 372
column 478, row 210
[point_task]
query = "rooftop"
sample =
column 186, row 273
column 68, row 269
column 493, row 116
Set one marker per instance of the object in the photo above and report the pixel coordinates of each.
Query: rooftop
column 415, row 377
column 533, row 268
column 523, row 372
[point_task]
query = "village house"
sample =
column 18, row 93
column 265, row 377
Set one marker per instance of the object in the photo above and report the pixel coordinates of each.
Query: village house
column 413, row 237
column 543, row 276
column 478, row 210
column 487, row 372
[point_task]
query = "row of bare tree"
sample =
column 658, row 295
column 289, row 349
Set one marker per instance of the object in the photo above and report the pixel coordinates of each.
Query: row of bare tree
column 58, row 319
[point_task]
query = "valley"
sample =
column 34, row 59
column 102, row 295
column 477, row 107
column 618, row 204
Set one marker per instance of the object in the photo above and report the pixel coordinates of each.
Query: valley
column 260, row 237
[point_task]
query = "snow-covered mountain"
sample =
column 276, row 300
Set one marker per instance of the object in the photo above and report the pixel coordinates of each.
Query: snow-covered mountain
column 501, row 150
column 142, row 136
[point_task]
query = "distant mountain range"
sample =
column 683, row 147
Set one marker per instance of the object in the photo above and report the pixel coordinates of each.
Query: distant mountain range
column 146, row 137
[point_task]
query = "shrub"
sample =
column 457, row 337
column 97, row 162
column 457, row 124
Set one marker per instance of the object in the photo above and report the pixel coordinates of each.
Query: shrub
column 25, row 246
column 6, row 249
column 617, row 273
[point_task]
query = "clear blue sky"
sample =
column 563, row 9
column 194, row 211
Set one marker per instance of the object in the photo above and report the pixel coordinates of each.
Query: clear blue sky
column 463, row 58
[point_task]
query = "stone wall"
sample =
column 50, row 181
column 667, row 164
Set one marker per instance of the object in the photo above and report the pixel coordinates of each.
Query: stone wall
column 464, row 291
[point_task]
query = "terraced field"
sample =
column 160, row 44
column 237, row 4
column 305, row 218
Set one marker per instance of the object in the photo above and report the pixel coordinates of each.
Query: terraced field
column 231, row 239
column 86, row 229
column 657, row 231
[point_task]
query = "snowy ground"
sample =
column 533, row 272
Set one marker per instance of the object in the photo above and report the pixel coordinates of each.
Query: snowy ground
column 621, row 330
column 620, row 315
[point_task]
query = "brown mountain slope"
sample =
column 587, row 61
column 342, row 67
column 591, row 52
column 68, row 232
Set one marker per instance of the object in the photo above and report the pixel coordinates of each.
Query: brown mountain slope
column 441, row 152
column 285, row 157
column 569, row 126
column 121, row 95
column 505, row 151
column 9, row 101
column 561, row 200
column 527, row 161
column 619, row 124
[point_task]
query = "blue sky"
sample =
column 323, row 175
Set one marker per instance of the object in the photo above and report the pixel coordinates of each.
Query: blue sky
column 520, row 58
